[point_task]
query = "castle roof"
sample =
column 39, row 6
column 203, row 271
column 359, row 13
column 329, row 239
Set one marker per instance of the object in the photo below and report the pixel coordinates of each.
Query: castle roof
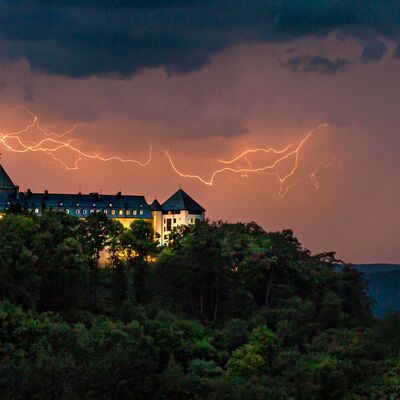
column 90, row 201
column 93, row 202
column 155, row 206
column 180, row 200
column 5, row 180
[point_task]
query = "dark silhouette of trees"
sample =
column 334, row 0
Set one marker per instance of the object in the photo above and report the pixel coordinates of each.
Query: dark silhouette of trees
column 227, row 311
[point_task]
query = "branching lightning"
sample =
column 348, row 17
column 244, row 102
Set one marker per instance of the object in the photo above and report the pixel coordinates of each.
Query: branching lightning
column 53, row 144
column 289, row 153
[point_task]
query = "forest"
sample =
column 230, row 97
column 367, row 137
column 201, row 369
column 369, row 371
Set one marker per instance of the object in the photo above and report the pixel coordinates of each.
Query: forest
column 227, row 311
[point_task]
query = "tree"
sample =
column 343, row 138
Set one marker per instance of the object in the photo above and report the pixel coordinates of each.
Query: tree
column 96, row 230
column 139, row 247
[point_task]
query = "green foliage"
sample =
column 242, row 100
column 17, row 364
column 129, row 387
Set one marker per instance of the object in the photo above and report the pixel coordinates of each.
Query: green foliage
column 228, row 311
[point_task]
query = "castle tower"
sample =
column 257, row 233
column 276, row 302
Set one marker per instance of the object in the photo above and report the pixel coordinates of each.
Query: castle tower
column 8, row 191
column 156, row 211
column 179, row 209
column 6, row 184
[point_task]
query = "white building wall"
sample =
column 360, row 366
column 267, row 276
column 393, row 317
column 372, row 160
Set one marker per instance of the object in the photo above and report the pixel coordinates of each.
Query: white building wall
column 178, row 219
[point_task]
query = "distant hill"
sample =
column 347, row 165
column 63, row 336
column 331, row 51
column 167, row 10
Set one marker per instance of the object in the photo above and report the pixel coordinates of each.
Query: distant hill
column 384, row 286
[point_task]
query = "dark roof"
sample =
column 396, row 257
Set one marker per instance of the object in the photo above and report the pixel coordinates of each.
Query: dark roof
column 5, row 180
column 155, row 206
column 6, row 199
column 181, row 201
column 88, row 201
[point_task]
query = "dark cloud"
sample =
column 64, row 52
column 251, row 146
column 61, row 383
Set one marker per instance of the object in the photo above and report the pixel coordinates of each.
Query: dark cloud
column 317, row 64
column 97, row 37
column 373, row 52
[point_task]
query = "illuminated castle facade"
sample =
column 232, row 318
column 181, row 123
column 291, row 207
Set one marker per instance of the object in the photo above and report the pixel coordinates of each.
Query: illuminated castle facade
column 179, row 209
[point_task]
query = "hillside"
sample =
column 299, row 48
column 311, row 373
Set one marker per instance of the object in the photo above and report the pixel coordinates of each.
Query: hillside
column 384, row 286
column 227, row 311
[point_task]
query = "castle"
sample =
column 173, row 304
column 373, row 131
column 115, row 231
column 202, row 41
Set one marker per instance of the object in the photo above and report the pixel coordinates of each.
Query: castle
column 179, row 209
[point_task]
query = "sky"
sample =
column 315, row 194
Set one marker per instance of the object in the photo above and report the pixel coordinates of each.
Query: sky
column 205, row 81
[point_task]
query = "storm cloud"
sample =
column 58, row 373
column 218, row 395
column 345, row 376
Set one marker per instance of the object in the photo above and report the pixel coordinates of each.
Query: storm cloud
column 120, row 38
column 373, row 52
column 317, row 64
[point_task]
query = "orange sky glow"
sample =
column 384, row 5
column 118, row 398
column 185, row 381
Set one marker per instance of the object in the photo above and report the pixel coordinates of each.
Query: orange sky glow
column 246, row 137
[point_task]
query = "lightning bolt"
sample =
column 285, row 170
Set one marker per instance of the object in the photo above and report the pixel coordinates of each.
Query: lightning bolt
column 52, row 144
column 55, row 146
column 290, row 152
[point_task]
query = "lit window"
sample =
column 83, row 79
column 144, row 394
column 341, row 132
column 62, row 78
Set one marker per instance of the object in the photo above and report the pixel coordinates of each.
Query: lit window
column 112, row 212
column 128, row 212
column 84, row 212
column 120, row 212
column 134, row 212
column 61, row 204
column 36, row 211
column 77, row 204
column 141, row 212
column 98, row 211
column 67, row 210
column 105, row 212
column 91, row 211
column 77, row 211
column 110, row 205
column 94, row 205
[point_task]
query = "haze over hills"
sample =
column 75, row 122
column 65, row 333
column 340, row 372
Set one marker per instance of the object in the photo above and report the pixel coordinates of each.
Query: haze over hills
column 384, row 286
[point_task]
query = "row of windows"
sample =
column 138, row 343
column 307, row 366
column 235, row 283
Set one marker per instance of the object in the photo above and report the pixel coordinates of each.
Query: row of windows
column 168, row 223
column 61, row 204
column 112, row 212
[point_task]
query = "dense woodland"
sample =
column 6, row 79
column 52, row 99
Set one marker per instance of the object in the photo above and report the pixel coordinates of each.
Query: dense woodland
column 228, row 311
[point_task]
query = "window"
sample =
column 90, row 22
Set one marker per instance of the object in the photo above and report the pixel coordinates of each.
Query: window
column 174, row 220
column 91, row 211
column 141, row 212
column 61, row 204
column 94, row 205
column 165, row 237
column 169, row 224
column 110, row 205
column 128, row 212
column 112, row 212
column 120, row 212
column 191, row 220
column 105, row 212
column 67, row 210
column 77, row 211
column 134, row 212
column 84, row 212
column 36, row 211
